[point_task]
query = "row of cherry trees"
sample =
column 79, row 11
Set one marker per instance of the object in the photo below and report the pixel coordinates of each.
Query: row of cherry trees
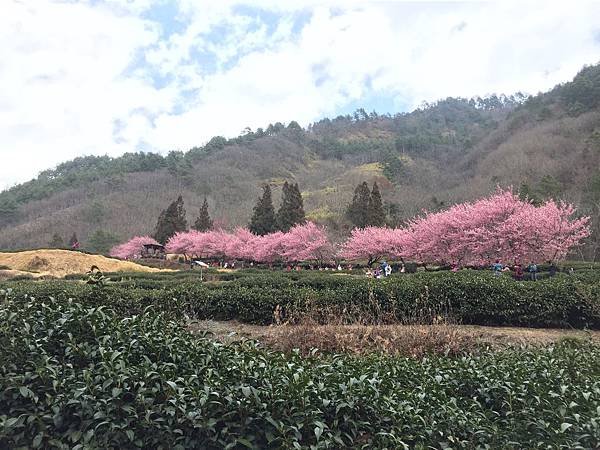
column 501, row 226
column 498, row 227
column 306, row 242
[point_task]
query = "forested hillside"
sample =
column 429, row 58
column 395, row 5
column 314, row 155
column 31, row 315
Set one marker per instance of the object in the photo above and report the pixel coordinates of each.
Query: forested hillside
column 546, row 146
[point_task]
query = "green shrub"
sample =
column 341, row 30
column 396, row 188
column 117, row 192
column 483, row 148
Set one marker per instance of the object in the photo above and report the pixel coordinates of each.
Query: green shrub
column 72, row 375
column 470, row 297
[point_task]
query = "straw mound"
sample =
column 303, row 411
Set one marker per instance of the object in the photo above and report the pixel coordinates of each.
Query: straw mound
column 58, row 263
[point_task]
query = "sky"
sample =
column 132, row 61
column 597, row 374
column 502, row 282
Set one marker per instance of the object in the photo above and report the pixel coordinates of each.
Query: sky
column 105, row 77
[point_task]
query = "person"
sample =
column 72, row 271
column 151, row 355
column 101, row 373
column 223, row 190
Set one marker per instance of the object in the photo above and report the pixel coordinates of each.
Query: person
column 518, row 269
column 454, row 268
column 339, row 267
column 497, row 267
column 532, row 269
column 402, row 269
column 382, row 266
column 377, row 273
column 368, row 273
column 552, row 269
column 388, row 270
column 571, row 271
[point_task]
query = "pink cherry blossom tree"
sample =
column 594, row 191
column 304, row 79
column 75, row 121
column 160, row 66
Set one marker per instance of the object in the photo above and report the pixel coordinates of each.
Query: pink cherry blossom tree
column 183, row 243
column 132, row 249
column 501, row 226
column 240, row 245
column 269, row 248
column 307, row 242
column 370, row 243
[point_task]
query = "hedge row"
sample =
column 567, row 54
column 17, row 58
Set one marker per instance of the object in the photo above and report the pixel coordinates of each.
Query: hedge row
column 72, row 376
column 469, row 297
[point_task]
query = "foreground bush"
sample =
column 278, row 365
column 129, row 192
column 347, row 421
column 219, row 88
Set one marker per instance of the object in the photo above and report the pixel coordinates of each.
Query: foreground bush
column 72, row 375
column 468, row 297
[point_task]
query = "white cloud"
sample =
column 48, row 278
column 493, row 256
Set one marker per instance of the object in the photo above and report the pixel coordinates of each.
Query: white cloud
column 81, row 78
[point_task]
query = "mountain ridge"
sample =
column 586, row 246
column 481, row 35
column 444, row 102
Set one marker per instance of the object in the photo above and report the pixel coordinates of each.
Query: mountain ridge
column 452, row 150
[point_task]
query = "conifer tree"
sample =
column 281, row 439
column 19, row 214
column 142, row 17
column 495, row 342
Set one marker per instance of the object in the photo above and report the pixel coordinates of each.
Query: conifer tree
column 203, row 221
column 375, row 212
column 170, row 221
column 291, row 211
column 263, row 219
column 358, row 209
column 74, row 242
column 57, row 241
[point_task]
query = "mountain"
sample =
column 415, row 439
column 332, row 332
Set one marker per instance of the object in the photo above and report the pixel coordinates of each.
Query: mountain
column 545, row 146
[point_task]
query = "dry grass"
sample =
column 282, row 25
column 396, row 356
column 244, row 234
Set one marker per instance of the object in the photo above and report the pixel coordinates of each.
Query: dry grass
column 406, row 340
column 402, row 340
column 7, row 274
column 58, row 263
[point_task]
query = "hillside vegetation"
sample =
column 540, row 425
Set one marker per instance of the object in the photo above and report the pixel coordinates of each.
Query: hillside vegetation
column 546, row 146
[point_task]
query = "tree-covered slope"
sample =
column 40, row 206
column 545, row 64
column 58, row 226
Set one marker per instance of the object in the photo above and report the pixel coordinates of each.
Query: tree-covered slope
column 449, row 151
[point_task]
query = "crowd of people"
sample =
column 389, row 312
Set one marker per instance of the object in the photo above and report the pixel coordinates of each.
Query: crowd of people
column 518, row 270
column 384, row 270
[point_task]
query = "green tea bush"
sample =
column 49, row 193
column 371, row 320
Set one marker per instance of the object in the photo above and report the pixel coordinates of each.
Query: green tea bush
column 77, row 376
column 469, row 297
column 124, row 300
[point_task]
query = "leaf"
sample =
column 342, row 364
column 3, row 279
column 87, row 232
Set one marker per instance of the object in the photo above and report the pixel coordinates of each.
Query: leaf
column 37, row 440
column 10, row 422
column 565, row 426
column 245, row 442
column 318, row 432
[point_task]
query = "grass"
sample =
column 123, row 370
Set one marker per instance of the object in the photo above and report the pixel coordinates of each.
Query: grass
column 404, row 340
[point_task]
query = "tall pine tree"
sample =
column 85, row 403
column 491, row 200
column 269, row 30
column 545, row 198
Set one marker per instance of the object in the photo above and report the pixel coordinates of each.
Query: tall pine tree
column 203, row 221
column 74, row 242
column 263, row 219
column 358, row 209
column 375, row 212
column 57, row 241
column 291, row 211
column 170, row 221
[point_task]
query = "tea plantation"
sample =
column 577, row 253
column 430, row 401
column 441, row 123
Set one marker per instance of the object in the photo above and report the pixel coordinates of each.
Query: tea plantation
column 113, row 366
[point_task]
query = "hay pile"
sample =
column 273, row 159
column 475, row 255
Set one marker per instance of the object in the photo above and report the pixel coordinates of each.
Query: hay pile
column 58, row 263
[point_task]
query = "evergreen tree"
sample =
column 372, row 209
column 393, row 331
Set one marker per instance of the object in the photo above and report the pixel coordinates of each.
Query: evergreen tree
column 358, row 209
column 291, row 211
column 203, row 221
column 263, row 219
column 56, row 242
column 375, row 212
column 101, row 241
column 74, row 242
column 170, row 221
